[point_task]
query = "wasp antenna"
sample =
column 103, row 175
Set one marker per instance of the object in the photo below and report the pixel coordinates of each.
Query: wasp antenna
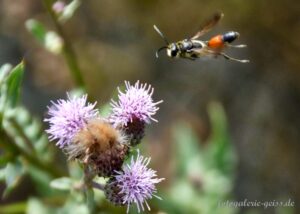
column 161, row 34
column 157, row 52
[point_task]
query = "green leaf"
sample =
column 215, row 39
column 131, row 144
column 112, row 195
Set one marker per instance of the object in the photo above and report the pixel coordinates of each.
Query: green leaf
column 187, row 147
column 74, row 207
column 7, row 157
column 63, row 183
column 27, row 131
column 37, row 29
column 14, row 84
column 41, row 180
column 221, row 151
column 69, row 11
column 35, row 206
column 13, row 175
column 51, row 40
column 2, row 174
column 4, row 72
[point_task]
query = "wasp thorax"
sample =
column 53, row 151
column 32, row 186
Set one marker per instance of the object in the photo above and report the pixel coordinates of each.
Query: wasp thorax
column 100, row 146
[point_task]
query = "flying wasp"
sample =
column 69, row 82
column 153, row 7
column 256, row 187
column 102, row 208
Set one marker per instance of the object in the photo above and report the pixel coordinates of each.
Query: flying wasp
column 193, row 48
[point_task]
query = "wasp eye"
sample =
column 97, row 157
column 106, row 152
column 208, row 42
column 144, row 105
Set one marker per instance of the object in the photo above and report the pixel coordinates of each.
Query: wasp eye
column 173, row 52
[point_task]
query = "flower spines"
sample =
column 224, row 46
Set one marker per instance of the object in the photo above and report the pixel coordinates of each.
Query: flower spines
column 67, row 117
column 134, row 109
column 134, row 184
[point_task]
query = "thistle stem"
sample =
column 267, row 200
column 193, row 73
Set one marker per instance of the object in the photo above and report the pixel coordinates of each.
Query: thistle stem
column 89, row 192
column 98, row 186
column 68, row 51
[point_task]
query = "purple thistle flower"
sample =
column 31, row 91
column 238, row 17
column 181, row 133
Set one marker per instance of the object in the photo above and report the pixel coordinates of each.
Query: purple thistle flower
column 135, row 104
column 67, row 117
column 137, row 183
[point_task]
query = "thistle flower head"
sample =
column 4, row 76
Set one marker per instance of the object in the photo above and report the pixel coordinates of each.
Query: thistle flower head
column 134, row 104
column 67, row 117
column 136, row 183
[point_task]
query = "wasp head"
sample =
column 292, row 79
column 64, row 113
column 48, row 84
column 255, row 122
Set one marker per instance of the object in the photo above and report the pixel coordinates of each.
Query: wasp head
column 172, row 50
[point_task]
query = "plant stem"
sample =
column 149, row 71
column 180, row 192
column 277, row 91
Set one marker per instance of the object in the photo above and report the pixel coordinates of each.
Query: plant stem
column 98, row 186
column 22, row 134
column 68, row 51
column 89, row 192
column 18, row 207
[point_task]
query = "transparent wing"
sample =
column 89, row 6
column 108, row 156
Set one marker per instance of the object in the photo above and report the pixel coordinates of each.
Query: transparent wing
column 208, row 25
column 205, row 51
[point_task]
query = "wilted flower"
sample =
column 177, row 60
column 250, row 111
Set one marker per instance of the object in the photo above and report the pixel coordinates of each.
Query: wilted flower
column 67, row 117
column 135, row 184
column 134, row 109
column 100, row 146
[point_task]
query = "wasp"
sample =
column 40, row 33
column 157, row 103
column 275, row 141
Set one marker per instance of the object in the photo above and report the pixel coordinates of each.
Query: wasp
column 193, row 48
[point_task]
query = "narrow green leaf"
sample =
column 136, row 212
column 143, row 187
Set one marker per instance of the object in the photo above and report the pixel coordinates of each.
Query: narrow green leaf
column 51, row 40
column 37, row 29
column 221, row 151
column 27, row 132
column 187, row 146
column 90, row 200
column 2, row 174
column 69, row 10
column 41, row 180
column 35, row 206
column 14, row 84
column 13, row 175
column 4, row 72
column 63, row 183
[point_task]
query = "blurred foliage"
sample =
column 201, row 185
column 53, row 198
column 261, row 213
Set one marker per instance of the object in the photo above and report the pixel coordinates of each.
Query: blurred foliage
column 204, row 172
column 51, row 41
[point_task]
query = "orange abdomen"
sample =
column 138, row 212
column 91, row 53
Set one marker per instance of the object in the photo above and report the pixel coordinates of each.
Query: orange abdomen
column 216, row 42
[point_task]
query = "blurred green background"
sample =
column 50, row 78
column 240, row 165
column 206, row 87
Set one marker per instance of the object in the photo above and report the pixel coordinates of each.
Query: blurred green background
column 226, row 130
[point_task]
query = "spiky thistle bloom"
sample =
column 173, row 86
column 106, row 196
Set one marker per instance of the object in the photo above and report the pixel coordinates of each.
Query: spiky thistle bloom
column 135, row 184
column 134, row 109
column 67, row 117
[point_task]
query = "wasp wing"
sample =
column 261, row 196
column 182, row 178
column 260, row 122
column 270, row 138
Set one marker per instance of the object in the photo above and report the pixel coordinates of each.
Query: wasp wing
column 205, row 51
column 208, row 25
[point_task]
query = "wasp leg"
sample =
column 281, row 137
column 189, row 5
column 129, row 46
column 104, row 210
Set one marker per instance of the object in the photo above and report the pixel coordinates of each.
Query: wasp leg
column 187, row 57
column 193, row 59
column 234, row 59
column 237, row 46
